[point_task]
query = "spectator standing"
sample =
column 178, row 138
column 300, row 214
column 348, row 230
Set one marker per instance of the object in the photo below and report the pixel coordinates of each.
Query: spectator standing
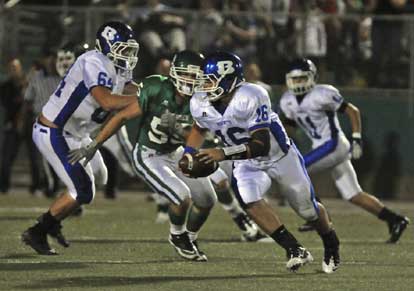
column 205, row 27
column 17, row 128
column 386, row 43
column 310, row 36
column 239, row 30
column 163, row 31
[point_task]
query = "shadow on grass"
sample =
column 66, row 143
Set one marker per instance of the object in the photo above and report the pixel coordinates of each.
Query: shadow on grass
column 144, row 240
column 117, row 241
column 377, row 243
column 15, row 218
column 100, row 281
column 41, row 266
column 19, row 256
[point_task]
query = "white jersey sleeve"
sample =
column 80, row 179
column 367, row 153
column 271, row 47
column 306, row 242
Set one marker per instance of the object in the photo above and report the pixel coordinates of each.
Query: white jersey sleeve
column 95, row 74
column 197, row 103
column 284, row 100
column 329, row 98
column 254, row 106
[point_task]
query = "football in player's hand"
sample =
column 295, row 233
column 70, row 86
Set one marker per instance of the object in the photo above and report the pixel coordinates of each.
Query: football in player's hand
column 191, row 166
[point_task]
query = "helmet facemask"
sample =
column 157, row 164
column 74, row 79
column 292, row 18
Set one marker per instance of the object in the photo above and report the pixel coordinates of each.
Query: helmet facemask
column 124, row 55
column 185, row 79
column 210, row 84
column 300, row 82
column 64, row 60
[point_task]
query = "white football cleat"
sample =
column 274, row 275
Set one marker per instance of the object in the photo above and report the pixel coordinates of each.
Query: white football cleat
column 329, row 268
column 162, row 217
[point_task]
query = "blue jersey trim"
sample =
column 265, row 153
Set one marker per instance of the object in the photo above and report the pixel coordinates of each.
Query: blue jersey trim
column 312, row 190
column 326, row 148
column 280, row 136
column 258, row 126
column 332, row 126
column 75, row 99
column 76, row 172
column 320, row 152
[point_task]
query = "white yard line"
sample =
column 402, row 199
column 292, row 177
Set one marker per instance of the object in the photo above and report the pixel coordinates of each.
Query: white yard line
column 121, row 262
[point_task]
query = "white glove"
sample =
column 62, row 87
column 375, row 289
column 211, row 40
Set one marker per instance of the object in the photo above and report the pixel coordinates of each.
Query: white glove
column 356, row 146
column 86, row 152
column 168, row 122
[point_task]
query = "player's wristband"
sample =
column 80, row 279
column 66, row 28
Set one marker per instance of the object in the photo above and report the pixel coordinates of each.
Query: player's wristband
column 356, row 135
column 94, row 144
column 236, row 152
column 189, row 150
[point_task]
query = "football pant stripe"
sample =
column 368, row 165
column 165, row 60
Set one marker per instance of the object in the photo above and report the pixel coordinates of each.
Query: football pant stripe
column 312, row 191
column 152, row 179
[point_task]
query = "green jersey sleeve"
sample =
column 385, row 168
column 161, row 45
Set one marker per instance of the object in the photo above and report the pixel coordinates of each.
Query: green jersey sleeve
column 150, row 88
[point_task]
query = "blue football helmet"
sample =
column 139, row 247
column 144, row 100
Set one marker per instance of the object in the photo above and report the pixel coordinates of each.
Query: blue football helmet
column 222, row 73
column 301, row 76
column 116, row 40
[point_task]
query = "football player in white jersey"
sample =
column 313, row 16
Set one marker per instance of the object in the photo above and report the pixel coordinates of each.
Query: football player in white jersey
column 313, row 107
column 78, row 106
column 119, row 149
column 240, row 113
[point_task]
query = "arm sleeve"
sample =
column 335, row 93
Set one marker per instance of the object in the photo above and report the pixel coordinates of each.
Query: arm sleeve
column 194, row 107
column 331, row 100
column 95, row 74
column 150, row 88
column 284, row 110
column 257, row 112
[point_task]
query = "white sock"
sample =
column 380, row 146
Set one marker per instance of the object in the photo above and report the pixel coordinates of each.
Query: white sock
column 233, row 208
column 192, row 235
column 177, row 229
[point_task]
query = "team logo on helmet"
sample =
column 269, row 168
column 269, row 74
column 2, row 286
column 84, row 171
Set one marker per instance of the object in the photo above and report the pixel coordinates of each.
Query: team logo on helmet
column 116, row 41
column 222, row 73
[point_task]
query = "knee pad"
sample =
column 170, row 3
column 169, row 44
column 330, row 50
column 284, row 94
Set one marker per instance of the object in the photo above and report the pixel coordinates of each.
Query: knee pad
column 308, row 213
column 207, row 201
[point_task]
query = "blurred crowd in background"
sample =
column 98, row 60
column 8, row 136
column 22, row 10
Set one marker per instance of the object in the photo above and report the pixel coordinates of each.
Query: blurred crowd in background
column 351, row 41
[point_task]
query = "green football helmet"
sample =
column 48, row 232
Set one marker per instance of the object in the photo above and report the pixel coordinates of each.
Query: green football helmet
column 185, row 69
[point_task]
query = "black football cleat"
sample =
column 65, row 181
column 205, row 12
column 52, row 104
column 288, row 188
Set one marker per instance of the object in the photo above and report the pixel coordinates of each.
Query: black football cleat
column 202, row 256
column 38, row 242
column 397, row 228
column 298, row 257
column 78, row 211
column 248, row 228
column 250, row 231
column 56, row 233
column 184, row 247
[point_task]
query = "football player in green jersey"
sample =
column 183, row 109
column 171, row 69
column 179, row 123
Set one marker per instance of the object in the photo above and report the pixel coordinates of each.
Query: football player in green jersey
column 165, row 115
column 164, row 121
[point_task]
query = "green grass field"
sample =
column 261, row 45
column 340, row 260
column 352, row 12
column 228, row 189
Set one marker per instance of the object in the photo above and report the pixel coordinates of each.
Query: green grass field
column 117, row 246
